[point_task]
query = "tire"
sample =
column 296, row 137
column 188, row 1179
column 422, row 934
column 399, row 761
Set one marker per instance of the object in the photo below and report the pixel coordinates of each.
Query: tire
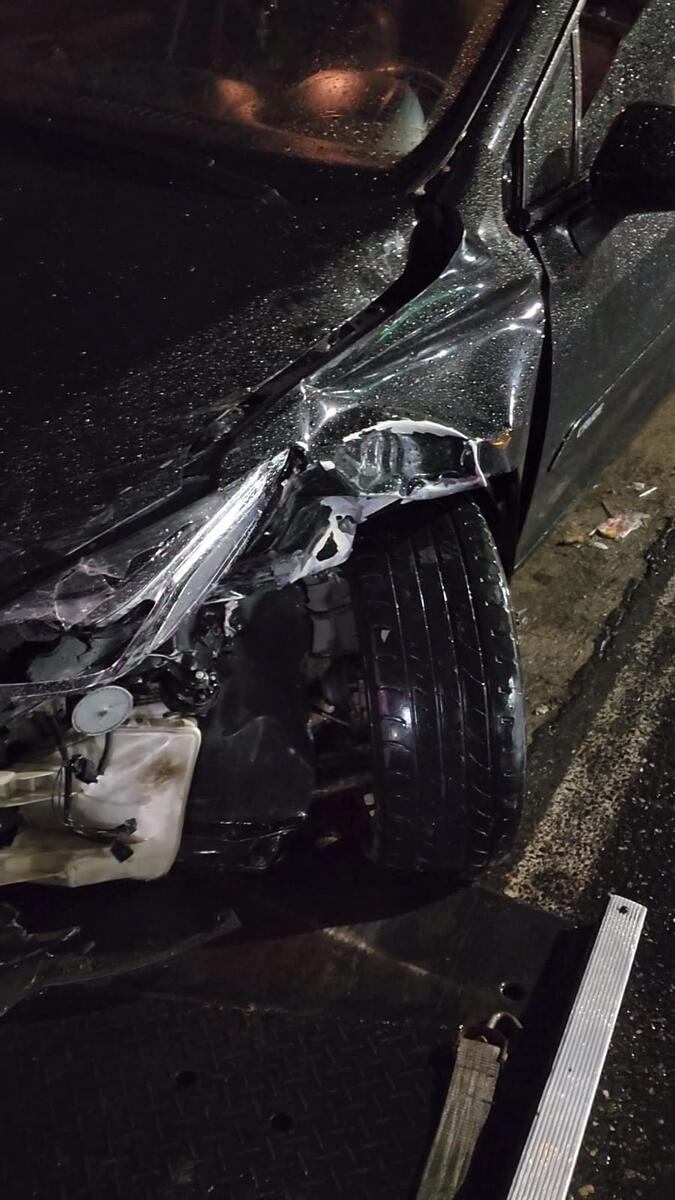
column 444, row 691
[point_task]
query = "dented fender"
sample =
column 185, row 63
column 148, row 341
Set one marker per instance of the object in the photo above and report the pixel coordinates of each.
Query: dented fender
column 437, row 399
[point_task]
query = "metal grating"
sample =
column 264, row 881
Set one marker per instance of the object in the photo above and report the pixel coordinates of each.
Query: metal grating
column 174, row 1100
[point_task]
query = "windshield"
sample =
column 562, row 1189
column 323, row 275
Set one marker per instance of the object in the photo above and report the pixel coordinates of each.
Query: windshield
column 343, row 81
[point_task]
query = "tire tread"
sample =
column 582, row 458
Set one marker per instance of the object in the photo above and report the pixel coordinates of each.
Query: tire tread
column 444, row 692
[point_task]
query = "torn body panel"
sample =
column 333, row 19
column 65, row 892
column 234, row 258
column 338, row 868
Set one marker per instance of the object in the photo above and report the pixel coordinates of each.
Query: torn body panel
column 180, row 561
column 458, row 359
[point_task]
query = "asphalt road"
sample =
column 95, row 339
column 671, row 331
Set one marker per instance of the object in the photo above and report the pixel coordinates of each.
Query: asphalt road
column 600, row 820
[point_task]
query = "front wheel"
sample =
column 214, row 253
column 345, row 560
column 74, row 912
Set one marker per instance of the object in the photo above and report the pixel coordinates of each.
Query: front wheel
column 444, row 690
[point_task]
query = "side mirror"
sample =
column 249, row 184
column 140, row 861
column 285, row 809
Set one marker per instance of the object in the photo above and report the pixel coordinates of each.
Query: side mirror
column 635, row 167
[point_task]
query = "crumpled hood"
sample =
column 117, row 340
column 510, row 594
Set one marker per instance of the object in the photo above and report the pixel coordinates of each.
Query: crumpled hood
column 132, row 314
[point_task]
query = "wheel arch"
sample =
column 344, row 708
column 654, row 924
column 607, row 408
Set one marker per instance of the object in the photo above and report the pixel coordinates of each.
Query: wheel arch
column 499, row 500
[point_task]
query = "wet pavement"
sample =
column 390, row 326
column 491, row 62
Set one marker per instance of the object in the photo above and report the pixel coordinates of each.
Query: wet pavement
column 601, row 820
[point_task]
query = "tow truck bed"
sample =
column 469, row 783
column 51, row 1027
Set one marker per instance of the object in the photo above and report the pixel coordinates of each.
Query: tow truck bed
column 307, row 1057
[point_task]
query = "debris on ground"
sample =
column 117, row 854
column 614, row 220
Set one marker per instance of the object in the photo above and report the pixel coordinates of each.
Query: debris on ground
column 575, row 536
column 616, row 526
column 622, row 525
column 642, row 489
column 586, row 1190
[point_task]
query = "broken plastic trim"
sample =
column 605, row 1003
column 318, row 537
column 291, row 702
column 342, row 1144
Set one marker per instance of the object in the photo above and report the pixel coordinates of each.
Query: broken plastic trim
column 174, row 579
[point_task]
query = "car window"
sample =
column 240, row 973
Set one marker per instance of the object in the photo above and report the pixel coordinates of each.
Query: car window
column 603, row 25
column 550, row 130
column 642, row 69
column 356, row 81
column 619, row 52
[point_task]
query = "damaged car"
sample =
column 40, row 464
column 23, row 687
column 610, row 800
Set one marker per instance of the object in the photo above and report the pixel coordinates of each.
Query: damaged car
column 315, row 318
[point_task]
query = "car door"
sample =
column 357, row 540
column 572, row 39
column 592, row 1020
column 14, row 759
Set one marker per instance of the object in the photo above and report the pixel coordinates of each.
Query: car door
column 611, row 295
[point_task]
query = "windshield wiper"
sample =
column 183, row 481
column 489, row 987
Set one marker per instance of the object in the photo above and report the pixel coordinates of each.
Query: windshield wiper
column 70, row 142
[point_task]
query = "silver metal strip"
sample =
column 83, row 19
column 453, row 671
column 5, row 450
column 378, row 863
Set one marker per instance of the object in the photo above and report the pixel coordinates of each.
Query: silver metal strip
column 547, row 1162
column 566, row 37
column 578, row 97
